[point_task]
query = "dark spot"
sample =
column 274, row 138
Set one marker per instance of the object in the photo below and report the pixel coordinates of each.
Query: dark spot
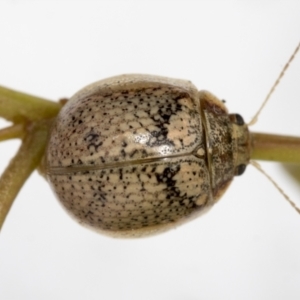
column 123, row 153
column 237, row 119
column 240, row 169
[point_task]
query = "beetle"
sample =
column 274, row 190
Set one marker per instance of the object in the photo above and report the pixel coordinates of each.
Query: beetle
column 134, row 154
column 142, row 152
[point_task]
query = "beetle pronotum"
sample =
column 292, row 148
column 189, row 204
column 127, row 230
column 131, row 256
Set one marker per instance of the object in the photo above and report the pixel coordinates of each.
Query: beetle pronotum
column 134, row 154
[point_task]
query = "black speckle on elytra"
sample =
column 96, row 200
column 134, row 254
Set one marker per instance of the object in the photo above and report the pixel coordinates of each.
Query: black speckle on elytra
column 123, row 153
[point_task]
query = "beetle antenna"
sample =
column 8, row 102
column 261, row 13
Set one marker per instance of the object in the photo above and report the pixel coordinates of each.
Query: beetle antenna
column 287, row 198
column 254, row 119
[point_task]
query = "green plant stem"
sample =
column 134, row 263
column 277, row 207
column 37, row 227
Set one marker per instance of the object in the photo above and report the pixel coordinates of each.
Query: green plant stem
column 21, row 166
column 19, row 107
column 12, row 132
column 273, row 147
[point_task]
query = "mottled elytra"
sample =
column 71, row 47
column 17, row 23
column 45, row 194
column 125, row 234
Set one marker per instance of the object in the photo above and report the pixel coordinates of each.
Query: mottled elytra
column 136, row 154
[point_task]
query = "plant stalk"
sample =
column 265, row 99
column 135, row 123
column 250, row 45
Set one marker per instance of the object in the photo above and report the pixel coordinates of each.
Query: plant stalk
column 22, row 165
column 12, row 132
column 19, row 107
column 271, row 147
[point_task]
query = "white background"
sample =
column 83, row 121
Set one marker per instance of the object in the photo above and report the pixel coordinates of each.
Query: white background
column 248, row 245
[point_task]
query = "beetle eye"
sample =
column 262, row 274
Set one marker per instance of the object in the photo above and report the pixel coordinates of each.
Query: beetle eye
column 240, row 169
column 237, row 119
